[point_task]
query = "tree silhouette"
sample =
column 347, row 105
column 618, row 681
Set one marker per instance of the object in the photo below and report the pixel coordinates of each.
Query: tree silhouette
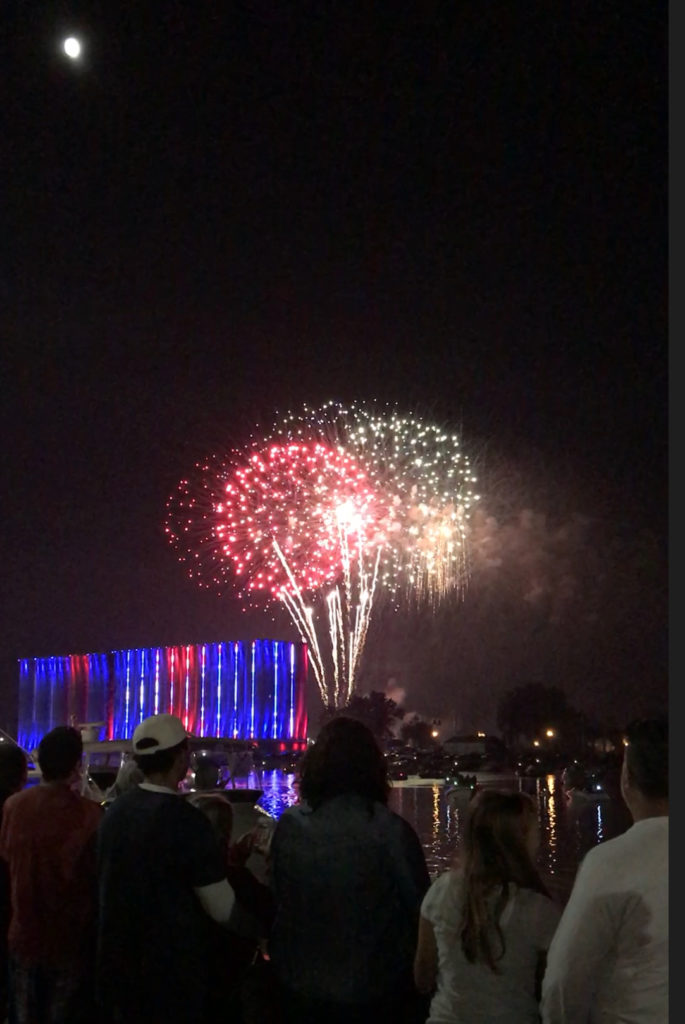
column 376, row 711
column 525, row 711
column 417, row 731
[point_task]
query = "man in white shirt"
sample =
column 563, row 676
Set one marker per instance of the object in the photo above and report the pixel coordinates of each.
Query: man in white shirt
column 608, row 961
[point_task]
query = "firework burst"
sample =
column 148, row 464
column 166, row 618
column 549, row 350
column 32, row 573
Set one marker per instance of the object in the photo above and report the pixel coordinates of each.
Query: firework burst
column 429, row 485
column 335, row 505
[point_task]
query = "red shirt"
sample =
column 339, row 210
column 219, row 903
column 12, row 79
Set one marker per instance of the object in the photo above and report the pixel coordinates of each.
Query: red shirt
column 48, row 840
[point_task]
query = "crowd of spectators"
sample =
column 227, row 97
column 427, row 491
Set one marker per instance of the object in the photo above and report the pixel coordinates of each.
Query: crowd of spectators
column 142, row 909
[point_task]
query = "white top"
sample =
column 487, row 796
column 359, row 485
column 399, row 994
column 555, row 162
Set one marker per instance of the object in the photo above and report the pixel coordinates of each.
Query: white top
column 472, row 992
column 608, row 962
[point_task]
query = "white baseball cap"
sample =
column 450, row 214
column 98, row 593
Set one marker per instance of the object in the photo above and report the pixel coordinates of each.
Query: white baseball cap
column 158, row 732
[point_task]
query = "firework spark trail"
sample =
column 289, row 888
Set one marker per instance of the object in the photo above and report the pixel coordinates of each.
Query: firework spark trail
column 308, row 505
column 349, row 611
column 334, row 610
column 334, row 506
column 302, row 617
column 362, row 618
column 347, row 639
column 348, row 631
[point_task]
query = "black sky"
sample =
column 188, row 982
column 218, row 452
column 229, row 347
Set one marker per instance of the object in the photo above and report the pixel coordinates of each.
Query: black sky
column 228, row 209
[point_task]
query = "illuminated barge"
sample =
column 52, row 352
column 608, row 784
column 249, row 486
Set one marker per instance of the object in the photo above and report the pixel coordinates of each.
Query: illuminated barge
column 234, row 690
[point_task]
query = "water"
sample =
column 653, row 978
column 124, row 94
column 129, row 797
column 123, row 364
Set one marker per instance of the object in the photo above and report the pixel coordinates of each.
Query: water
column 566, row 833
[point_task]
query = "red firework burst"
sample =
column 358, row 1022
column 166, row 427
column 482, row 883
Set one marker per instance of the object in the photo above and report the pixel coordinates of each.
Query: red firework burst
column 312, row 502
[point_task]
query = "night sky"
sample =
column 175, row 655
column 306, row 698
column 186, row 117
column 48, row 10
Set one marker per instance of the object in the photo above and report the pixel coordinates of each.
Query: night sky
column 225, row 210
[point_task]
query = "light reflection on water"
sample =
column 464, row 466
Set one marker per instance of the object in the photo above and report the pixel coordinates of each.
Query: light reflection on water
column 566, row 833
column 278, row 791
column 547, row 811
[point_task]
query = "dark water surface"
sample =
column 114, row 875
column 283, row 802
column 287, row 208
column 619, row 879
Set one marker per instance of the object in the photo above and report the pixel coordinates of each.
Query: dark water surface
column 566, row 832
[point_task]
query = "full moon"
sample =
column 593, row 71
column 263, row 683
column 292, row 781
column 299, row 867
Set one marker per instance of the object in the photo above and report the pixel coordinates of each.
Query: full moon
column 72, row 48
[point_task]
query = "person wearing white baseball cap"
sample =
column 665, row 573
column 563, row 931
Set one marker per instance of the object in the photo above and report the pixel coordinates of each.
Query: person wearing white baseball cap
column 158, row 732
column 160, row 874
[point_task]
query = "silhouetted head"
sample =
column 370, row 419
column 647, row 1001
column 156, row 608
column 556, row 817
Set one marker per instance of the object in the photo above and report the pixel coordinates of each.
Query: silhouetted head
column 501, row 836
column 206, row 774
column 13, row 768
column 59, row 753
column 160, row 744
column 345, row 759
column 219, row 813
column 644, row 774
column 500, row 843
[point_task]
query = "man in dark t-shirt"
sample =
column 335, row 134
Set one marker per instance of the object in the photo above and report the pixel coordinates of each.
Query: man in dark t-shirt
column 160, row 873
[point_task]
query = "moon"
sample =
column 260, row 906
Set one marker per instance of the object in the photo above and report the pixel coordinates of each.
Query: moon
column 72, row 47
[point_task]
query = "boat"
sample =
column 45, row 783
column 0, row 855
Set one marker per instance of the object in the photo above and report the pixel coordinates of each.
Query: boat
column 459, row 789
column 216, row 764
column 582, row 786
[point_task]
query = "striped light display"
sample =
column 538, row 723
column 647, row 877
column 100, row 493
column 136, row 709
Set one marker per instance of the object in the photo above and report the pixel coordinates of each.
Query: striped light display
column 235, row 690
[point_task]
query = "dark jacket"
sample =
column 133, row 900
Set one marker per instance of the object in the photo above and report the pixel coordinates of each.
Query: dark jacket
column 348, row 881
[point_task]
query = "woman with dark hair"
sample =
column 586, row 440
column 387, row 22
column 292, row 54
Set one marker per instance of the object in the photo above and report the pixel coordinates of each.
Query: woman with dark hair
column 486, row 925
column 348, row 876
